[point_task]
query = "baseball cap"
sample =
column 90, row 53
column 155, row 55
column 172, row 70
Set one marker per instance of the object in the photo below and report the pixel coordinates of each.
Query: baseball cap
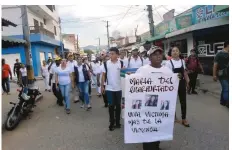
column 154, row 49
column 57, row 58
column 141, row 49
column 135, row 48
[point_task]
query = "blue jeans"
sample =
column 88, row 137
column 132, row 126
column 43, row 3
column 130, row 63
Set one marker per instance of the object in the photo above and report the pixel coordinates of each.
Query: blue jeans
column 6, row 85
column 84, row 91
column 225, row 91
column 65, row 93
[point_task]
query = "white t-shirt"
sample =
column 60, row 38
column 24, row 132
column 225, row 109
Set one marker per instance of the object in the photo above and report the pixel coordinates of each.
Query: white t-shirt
column 95, row 67
column 23, row 71
column 101, row 72
column 53, row 71
column 113, row 82
column 63, row 75
column 146, row 61
column 72, row 64
column 176, row 64
column 149, row 69
column 125, row 62
column 80, row 72
column 135, row 63
column 44, row 70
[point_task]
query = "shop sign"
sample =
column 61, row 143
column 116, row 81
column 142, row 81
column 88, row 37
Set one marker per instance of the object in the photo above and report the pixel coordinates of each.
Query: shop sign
column 162, row 29
column 183, row 21
column 210, row 49
column 208, row 12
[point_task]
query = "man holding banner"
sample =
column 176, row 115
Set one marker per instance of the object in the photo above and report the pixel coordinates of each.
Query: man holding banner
column 150, row 124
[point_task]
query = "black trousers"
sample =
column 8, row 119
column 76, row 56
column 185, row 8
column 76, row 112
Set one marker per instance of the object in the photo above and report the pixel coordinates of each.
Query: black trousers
column 105, row 99
column 151, row 146
column 182, row 97
column 114, row 100
column 57, row 94
column 24, row 80
column 193, row 80
column 6, row 85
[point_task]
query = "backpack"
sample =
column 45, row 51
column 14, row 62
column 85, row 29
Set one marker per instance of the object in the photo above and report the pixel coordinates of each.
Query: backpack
column 105, row 66
column 130, row 59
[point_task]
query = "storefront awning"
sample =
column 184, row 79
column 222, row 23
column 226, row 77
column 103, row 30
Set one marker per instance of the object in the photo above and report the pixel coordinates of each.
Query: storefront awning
column 11, row 42
column 7, row 23
column 156, row 38
column 207, row 24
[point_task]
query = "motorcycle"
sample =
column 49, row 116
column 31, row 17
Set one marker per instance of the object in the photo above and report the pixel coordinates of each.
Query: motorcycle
column 26, row 103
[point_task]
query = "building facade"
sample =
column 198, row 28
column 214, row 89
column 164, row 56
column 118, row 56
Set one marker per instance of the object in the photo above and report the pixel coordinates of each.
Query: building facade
column 44, row 25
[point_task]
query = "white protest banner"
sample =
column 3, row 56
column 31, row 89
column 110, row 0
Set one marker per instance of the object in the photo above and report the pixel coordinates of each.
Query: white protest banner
column 150, row 105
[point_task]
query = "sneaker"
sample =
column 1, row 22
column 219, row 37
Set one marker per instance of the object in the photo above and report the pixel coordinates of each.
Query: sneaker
column 46, row 90
column 68, row 111
column 82, row 106
column 111, row 128
column 8, row 93
column 89, row 106
column 76, row 101
column 49, row 90
column 118, row 126
column 194, row 92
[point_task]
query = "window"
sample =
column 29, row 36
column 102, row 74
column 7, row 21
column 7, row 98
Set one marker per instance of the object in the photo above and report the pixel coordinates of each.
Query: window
column 41, row 24
column 55, row 30
column 36, row 23
column 44, row 20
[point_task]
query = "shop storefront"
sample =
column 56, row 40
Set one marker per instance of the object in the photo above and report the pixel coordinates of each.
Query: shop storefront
column 208, row 42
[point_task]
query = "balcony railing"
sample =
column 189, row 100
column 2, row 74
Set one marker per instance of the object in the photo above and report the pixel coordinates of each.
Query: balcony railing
column 41, row 30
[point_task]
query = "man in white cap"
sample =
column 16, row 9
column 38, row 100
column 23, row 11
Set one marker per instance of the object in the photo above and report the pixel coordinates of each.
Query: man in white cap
column 156, row 56
column 123, row 58
column 135, row 61
column 143, row 54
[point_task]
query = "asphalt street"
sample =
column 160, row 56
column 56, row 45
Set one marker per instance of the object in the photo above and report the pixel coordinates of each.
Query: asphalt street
column 50, row 128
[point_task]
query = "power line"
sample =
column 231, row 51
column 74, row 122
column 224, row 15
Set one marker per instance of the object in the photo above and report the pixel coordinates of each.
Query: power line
column 158, row 14
column 123, row 17
column 66, row 21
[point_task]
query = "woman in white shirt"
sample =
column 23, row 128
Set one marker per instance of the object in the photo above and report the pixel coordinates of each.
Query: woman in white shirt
column 63, row 81
column 177, row 65
column 45, row 75
column 23, row 71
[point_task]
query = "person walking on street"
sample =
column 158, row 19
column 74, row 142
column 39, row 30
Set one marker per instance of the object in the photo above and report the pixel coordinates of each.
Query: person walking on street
column 16, row 69
column 123, row 58
column 6, row 72
column 113, row 90
column 104, row 58
column 82, row 77
column 23, row 74
column 156, row 57
column 194, row 67
column 52, row 82
column 45, row 75
column 63, row 81
column 135, row 61
column 86, row 62
column 221, row 72
column 177, row 65
column 95, row 65
column 143, row 55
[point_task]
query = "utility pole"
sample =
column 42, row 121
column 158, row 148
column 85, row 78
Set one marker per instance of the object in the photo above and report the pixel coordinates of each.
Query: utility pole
column 150, row 18
column 26, row 37
column 136, row 29
column 108, row 36
column 61, row 39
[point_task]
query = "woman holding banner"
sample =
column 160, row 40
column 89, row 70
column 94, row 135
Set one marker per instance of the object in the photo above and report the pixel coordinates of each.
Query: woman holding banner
column 156, row 57
column 177, row 65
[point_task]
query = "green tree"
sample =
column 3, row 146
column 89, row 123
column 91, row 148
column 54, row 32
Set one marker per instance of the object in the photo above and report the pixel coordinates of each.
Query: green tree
column 88, row 51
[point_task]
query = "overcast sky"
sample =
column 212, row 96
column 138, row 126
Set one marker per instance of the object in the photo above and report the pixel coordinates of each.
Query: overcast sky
column 87, row 21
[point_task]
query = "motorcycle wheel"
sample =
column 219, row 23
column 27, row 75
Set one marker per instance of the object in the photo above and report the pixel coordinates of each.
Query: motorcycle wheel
column 13, row 119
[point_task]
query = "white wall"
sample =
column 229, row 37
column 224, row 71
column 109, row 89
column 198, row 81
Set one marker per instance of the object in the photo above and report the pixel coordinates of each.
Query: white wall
column 68, row 45
column 187, row 36
column 13, row 14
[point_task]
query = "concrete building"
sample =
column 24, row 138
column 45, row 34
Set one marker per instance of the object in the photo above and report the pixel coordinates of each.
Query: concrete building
column 44, row 33
column 70, row 42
